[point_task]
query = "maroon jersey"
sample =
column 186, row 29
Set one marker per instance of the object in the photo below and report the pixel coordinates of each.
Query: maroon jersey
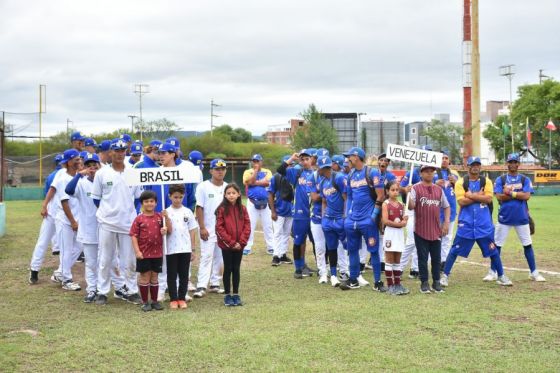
column 147, row 230
column 395, row 210
column 429, row 200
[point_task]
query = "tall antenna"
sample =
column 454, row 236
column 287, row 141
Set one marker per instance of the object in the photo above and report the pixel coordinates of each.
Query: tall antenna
column 212, row 116
column 141, row 89
column 509, row 71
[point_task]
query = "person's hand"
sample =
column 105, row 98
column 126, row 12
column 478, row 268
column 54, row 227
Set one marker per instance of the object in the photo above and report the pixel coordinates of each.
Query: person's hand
column 408, row 188
column 507, row 190
column 294, row 157
column 164, row 213
column 44, row 211
column 405, row 219
column 84, row 172
column 445, row 229
column 204, row 234
column 237, row 246
column 440, row 182
column 468, row 194
column 452, row 179
column 139, row 255
column 274, row 215
column 193, row 257
column 163, row 230
column 74, row 226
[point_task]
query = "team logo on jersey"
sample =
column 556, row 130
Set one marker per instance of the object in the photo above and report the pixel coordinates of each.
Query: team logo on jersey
column 371, row 241
column 185, row 218
column 88, row 194
column 109, row 183
column 210, row 196
column 388, row 244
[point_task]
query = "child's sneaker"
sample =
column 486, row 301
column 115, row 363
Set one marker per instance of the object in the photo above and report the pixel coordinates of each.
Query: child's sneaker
column 335, row 281
column 188, row 298
column 57, row 277
column 228, row 301
column 199, row 293
column 380, row 287
column 216, row 289
column 182, row 304
column 444, row 280
column 157, row 306
column 425, row 288
column 246, row 251
column 71, row 286
column 536, row 276
column 173, row 305
column 146, row 307
column 362, row 281
column 236, row 300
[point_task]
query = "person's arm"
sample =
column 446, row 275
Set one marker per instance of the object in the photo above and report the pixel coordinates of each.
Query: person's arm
column 136, row 247
column 71, row 186
column 284, row 165
column 221, row 229
column 200, row 219
column 69, row 215
column 446, row 216
column 246, row 229
column 168, row 224
column 412, row 199
column 273, row 213
column 192, row 234
column 348, row 205
column 250, row 176
column 47, row 200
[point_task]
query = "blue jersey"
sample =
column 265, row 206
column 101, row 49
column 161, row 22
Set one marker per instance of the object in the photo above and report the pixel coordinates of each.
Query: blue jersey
column 384, row 178
column 475, row 220
column 302, row 188
column 317, row 206
column 415, row 178
column 359, row 203
column 283, row 208
column 258, row 192
column 332, row 196
column 449, row 191
column 515, row 211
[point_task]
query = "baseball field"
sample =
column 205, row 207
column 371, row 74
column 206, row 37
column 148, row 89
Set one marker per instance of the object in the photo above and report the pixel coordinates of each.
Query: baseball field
column 287, row 324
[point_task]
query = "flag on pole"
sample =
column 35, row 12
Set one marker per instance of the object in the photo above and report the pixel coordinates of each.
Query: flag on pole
column 550, row 126
column 505, row 129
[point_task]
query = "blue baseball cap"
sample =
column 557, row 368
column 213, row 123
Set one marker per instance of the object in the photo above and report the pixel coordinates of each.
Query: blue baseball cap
column 218, row 163
column 105, row 145
column 83, row 154
column 77, row 136
column 118, row 144
column 59, row 157
column 136, row 149
column 285, row 158
column 91, row 157
column 338, row 159
column 68, row 155
column 126, row 137
column 139, row 142
column 513, row 157
column 312, row 152
column 173, row 141
column 196, row 158
column 305, row 152
column 90, row 142
column 257, row 157
column 155, row 143
column 427, row 147
column 355, row 151
column 167, row 147
column 322, row 152
column 445, row 152
column 324, row 162
column 473, row 159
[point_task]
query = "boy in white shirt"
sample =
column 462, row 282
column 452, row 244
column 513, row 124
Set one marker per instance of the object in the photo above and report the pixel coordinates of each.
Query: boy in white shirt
column 179, row 246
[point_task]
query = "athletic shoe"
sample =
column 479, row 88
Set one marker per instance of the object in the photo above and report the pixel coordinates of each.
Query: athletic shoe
column 71, row 286
column 275, row 261
column 298, row 274
column 191, row 287
column 236, row 299
column 121, row 293
column 216, row 289
column 401, row 290
column 323, row 279
column 392, row 290
column 306, row 271
column 425, row 287
column 436, row 287
column 334, row 281
column 285, row 259
column 57, row 277
column 81, row 258
column 349, row 285
column 444, row 280
column 57, row 252
column 33, row 277
column 362, row 281
column 380, row 287
column 174, row 305
column 536, row 276
column 146, row 307
column 246, row 251
column 157, row 306
column 90, row 297
column 188, row 298
column 367, row 266
column 101, row 300
column 182, row 304
column 134, row 299
column 344, row 277
column 228, row 301
column 413, row 275
column 199, row 293
column 270, row 251
column 504, row 281
column 490, row 276
column 442, row 267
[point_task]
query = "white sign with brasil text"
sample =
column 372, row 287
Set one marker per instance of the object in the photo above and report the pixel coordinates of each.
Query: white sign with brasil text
column 414, row 155
column 185, row 173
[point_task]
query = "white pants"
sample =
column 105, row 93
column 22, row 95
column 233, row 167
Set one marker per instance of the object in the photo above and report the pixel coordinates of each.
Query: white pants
column 447, row 241
column 210, row 266
column 320, row 247
column 342, row 259
column 282, row 229
column 523, row 233
column 111, row 244
column 46, row 235
column 381, row 249
column 410, row 246
column 91, row 251
column 70, row 249
column 266, row 222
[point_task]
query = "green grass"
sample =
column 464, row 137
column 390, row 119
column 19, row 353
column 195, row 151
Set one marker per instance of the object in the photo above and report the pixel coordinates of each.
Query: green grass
column 287, row 325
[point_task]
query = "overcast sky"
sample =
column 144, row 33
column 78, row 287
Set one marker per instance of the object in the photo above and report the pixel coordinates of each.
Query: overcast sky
column 263, row 61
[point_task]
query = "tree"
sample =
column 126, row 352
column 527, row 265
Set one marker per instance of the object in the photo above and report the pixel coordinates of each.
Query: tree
column 235, row 135
column 445, row 136
column 160, row 128
column 537, row 104
column 317, row 132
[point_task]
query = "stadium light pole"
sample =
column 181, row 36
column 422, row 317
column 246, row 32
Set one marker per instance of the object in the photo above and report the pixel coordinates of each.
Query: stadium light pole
column 132, row 122
column 68, row 121
column 508, row 71
column 141, row 89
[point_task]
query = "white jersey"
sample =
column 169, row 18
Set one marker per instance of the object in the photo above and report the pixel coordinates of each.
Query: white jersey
column 182, row 222
column 116, row 210
column 87, row 229
column 54, row 204
column 59, row 183
column 209, row 197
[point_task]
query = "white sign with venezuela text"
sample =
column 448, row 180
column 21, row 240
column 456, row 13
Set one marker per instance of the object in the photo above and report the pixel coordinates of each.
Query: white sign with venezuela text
column 185, row 173
column 414, row 155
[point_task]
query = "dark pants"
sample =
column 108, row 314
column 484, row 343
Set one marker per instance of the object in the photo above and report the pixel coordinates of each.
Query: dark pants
column 178, row 264
column 426, row 248
column 232, row 264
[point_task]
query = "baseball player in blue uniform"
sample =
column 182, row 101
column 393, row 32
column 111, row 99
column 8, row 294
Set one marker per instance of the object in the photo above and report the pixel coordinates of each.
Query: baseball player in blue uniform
column 316, row 217
column 281, row 212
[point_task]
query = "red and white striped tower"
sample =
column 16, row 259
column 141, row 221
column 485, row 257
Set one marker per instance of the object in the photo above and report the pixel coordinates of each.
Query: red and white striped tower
column 467, row 80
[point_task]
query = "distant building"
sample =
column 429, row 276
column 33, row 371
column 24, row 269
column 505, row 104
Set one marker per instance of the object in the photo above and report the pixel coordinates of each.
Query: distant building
column 413, row 134
column 282, row 133
column 376, row 134
column 495, row 108
column 346, row 127
column 443, row 117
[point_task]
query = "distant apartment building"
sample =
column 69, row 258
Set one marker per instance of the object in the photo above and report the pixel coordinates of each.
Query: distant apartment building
column 346, row 127
column 282, row 133
column 376, row 134
column 413, row 134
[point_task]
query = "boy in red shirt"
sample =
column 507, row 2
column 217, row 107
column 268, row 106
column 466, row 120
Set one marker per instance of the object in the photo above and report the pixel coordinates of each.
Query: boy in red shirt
column 147, row 233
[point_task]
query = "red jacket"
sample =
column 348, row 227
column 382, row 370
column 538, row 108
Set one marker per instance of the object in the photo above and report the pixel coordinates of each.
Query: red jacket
column 231, row 228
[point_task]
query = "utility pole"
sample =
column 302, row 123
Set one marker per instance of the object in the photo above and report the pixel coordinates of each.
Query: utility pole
column 212, row 116
column 509, row 71
column 68, row 121
column 141, row 89
column 132, row 123
column 359, row 131
column 541, row 76
column 42, row 88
